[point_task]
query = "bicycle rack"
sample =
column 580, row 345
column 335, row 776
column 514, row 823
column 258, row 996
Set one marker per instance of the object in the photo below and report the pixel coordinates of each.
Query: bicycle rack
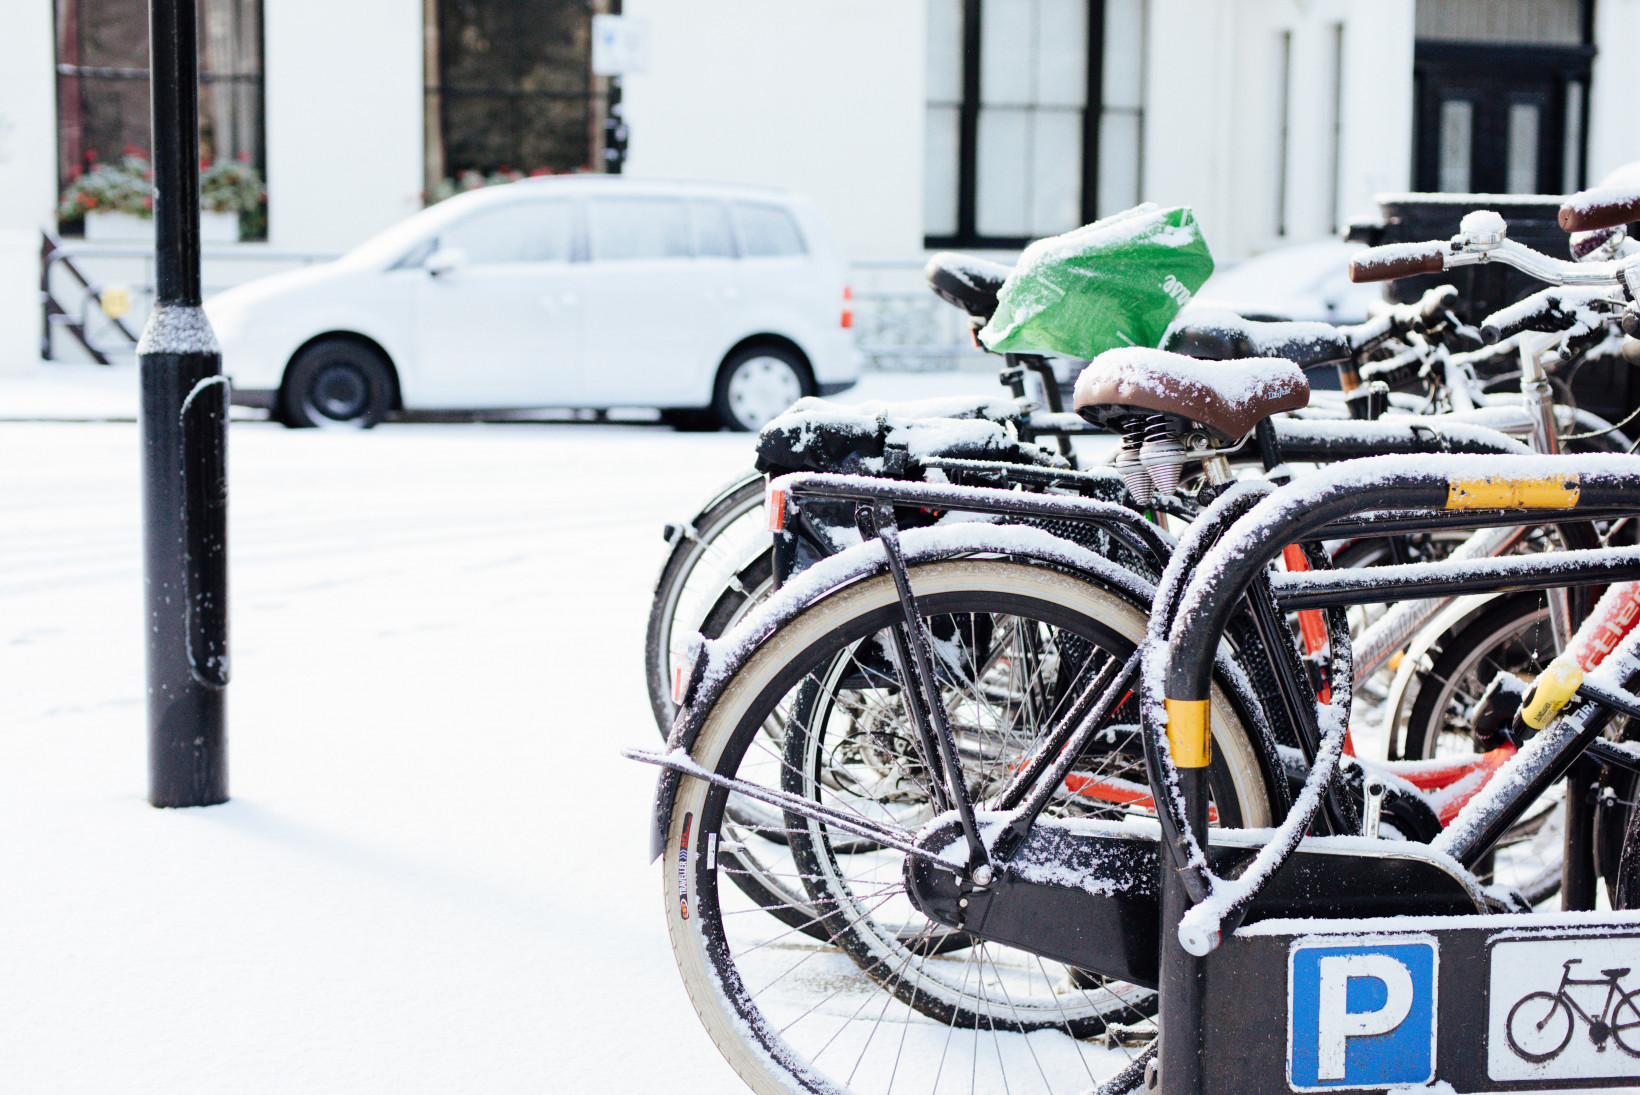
column 1473, row 1003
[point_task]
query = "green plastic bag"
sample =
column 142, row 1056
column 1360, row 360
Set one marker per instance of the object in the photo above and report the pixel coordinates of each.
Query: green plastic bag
column 1116, row 282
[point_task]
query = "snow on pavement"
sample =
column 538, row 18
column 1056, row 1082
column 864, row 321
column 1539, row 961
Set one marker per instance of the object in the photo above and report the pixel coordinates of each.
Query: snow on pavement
column 433, row 873
column 432, row 876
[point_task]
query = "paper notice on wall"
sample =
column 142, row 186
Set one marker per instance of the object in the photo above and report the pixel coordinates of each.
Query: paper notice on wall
column 620, row 45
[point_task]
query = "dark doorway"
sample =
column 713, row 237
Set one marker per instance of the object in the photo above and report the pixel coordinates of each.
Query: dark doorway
column 1501, row 119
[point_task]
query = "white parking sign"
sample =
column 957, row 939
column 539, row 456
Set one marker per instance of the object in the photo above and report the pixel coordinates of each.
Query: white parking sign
column 1361, row 1011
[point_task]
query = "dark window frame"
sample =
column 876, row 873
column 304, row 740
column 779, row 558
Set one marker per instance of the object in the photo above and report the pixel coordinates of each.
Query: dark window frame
column 73, row 80
column 1439, row 63
column 457, row 89
column 967, row 235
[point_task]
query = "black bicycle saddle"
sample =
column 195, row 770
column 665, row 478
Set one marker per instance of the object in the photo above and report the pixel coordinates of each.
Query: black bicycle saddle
column 966, row 282
column 1213, row 334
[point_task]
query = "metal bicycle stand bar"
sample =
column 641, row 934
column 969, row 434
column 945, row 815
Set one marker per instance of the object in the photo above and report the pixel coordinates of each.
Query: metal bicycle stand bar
column 1246, row 969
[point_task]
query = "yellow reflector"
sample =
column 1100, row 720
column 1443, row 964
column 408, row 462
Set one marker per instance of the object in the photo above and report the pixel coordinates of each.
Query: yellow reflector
column 1556, row 686
column 1188, row 737
column 1546, row 492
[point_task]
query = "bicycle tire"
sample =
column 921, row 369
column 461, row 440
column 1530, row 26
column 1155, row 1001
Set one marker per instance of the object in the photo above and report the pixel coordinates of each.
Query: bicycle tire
column 692, row 546
column 1619, row 1025
column 1556, row 1006
column 776, row 1032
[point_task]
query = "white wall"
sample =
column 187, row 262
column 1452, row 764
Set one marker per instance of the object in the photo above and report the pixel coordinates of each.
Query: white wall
column 28, row 174
column 1213, row 115
column 1189, row 103
column 1378, row 104
column 826, row 99
column 344, row 112
column 1614, row 135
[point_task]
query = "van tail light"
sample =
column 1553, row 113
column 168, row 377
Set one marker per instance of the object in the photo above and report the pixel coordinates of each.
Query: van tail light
column 848, row 307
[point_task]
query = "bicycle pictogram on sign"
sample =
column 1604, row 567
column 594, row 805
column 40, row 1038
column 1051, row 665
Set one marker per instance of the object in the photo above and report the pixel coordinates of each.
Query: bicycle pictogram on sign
column 1563, row 1007
column 1541, row 1023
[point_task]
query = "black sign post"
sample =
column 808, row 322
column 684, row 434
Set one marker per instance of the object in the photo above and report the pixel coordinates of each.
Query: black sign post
column 184, row 423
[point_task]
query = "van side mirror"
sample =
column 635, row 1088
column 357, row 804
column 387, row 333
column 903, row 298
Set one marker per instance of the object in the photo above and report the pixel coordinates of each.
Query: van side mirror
column 446, row 260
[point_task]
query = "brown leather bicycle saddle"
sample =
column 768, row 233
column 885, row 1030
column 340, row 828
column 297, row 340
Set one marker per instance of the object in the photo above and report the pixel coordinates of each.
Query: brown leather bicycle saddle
column 1229, row 398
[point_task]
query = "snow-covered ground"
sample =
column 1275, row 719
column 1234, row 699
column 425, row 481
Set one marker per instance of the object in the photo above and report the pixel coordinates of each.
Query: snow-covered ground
column 432, row 876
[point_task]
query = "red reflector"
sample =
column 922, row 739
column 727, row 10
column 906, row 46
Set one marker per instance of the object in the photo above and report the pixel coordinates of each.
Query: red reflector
column 848, row 313
column 680, row 680
column 775, row 501
column 848, row 320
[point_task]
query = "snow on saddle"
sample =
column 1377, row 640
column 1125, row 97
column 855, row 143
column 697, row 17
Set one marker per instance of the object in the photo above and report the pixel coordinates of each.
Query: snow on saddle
column 1218, row 334
column 1229, row 398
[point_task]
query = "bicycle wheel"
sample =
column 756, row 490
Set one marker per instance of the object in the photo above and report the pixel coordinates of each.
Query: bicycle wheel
column 1626, row 1023
column 1510, row 635
column 1539, row 1026
column 711, row 571
column 873, row 1009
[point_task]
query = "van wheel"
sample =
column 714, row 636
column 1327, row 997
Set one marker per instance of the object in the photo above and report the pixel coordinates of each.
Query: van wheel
column 337, row 382
column 757, row 383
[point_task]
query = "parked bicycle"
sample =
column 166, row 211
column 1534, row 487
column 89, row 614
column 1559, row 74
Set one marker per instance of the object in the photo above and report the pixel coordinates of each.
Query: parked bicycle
column 1039, row 917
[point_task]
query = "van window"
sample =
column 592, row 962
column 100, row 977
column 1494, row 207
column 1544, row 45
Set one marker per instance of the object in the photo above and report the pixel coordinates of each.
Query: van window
column 523, row 232
column 638, row 228
column 767, row 230
column 712, row 235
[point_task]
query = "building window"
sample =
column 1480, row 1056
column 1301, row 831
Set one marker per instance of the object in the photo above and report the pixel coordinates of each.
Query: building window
column 1012, row 151
column 102, row 86
column 509, row 88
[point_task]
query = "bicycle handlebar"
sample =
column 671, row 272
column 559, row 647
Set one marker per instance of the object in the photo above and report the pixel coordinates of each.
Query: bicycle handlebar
column 1428, row 313
column 1398, row 260
column 1600, row 207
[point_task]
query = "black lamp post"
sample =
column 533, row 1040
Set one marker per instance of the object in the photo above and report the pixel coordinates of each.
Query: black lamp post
column 184, row 423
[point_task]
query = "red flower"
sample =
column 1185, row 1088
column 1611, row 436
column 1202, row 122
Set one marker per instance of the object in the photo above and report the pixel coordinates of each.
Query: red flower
column 90, row 202
column 537, row 172
column 243, row 157
column 91, row 155
column 148, row 201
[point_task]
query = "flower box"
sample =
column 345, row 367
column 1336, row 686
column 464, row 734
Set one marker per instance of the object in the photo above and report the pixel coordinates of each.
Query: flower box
column 101, row 227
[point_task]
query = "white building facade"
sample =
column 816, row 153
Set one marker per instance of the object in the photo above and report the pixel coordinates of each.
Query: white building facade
column 916, row 124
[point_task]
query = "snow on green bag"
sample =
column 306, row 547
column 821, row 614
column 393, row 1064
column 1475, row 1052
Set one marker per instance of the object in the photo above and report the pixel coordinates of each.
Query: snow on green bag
column 1116, row 282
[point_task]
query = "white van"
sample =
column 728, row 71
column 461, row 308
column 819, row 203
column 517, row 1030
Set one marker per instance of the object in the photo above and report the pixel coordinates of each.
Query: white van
column 719, row 304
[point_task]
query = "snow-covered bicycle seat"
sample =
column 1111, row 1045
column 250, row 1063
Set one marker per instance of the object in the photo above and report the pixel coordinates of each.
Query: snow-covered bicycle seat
column 966, row 282
column 1229, row 398
column 877, row 438
column 1216, row 334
